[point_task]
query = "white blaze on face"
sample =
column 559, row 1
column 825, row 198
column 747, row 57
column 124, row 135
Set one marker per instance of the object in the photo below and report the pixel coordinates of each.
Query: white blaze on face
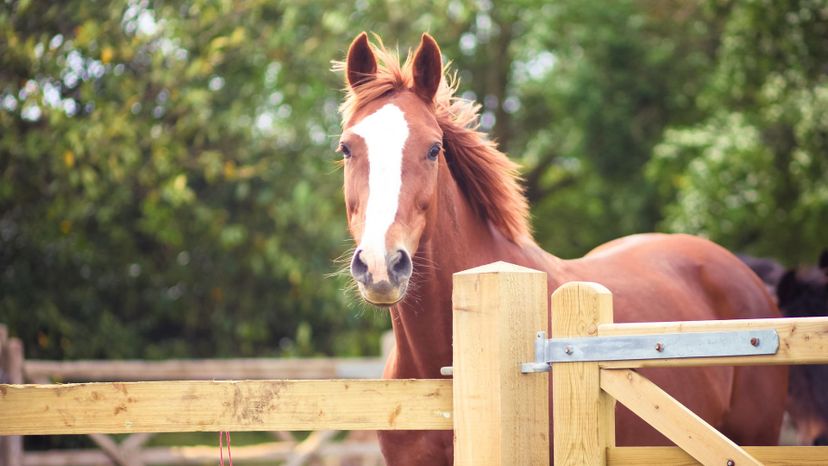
column 384, row 132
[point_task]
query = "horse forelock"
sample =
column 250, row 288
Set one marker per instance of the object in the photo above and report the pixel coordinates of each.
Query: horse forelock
column 488, row 178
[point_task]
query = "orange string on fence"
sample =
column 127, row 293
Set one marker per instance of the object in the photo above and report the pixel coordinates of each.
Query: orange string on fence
column 221, row 449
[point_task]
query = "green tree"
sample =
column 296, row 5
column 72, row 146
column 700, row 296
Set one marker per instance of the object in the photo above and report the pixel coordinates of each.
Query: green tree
column 596, row 84
column 167, row 181
column 751, row 174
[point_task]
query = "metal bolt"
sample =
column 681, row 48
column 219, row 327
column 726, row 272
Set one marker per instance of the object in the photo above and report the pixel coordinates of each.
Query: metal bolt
column 659, row 347
column 568, row 349
column 754, row 341
column 731, row 463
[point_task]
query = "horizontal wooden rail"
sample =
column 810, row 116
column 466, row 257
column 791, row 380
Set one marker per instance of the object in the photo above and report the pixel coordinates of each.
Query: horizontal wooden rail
column 272, row 451
column 196, row 406
column 675, row 456
column 204, row 369
column 802, row 340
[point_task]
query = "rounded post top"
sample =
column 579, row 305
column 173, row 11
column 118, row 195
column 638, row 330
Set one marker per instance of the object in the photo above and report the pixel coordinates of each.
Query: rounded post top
column 581, row 287
column 498, row 267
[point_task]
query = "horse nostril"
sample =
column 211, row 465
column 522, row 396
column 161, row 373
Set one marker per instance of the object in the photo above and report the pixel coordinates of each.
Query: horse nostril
column 359, row 269
column 399, row 266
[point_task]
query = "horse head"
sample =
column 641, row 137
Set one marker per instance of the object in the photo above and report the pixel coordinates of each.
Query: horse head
column 391, row 145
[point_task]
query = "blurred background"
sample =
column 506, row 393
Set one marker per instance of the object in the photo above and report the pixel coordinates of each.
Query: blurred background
column 169, row 187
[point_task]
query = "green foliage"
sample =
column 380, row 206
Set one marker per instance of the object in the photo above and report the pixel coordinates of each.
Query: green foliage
column 620, row 73
column 168, row 185
column 752, row 173
column 158, row 197
column 720, row 191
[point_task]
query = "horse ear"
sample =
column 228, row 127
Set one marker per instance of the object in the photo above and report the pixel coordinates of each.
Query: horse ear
column 428, row 68
column 361, row 64
column 787, row 288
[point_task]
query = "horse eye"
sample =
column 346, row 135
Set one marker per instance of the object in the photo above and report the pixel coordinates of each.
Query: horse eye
column 346, row 151
column 434, row 152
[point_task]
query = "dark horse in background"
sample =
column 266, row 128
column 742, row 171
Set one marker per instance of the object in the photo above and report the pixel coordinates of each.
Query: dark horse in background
column 802, row 292
column 427, row 195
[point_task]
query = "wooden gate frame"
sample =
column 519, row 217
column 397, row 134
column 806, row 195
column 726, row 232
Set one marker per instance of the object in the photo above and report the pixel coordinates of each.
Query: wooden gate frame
column 499, row 416
column 584, row 393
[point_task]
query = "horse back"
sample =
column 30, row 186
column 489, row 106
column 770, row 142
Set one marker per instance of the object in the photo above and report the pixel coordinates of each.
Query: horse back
column 662, row 277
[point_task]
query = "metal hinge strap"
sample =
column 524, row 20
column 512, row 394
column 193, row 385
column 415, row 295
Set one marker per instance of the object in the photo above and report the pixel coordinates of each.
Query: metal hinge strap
column 660, row 346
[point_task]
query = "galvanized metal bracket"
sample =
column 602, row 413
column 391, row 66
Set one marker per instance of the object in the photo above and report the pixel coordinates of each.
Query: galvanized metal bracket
column 661, row 346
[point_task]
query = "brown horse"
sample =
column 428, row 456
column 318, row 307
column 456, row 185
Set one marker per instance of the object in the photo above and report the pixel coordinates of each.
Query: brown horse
column 427, row 195
column 803, row 292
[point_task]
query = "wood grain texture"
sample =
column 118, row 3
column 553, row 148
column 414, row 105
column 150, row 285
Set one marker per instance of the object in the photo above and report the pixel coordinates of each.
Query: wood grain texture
column 586, row 414
column 501, row 415
column 671, row 418
column 675, row 456
column 802, row 340
column 204, row 369
column 195, row 406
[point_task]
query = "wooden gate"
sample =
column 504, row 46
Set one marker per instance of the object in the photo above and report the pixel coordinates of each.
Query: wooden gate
column 499, row 415
column 585, row 392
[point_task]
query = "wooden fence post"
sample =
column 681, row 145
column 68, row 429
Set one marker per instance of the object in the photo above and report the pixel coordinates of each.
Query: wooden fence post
column 11, row 369
column 501, row 417
column 583, row 415
column 4, row 447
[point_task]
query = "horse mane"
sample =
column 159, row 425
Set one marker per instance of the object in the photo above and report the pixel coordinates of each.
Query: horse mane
column 489, row 180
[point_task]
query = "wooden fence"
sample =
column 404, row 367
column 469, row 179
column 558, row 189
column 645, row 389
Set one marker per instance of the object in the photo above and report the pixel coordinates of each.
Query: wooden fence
column 500, row 416
column 328, row 446
column 11, row 372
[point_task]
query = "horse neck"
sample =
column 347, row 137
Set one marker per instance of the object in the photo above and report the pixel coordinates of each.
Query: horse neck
column 455, row 239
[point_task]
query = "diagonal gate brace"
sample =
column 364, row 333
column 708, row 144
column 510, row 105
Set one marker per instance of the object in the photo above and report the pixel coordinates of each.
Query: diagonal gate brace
column 661, row 346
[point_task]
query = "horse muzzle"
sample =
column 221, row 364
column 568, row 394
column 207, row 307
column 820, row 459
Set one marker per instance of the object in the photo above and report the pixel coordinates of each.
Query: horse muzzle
column 382, row 277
